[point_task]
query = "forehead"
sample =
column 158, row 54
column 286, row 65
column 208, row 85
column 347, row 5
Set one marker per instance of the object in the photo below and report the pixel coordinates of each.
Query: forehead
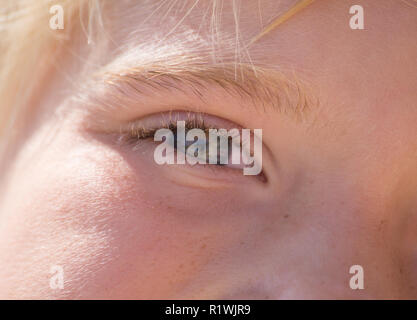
column 219, row 29
column 199, row 15
column 208, row 26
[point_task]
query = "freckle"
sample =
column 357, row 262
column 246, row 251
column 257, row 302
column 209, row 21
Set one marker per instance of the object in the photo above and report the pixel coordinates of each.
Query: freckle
column 203, row 246
column 286, row 216
column 381, row 225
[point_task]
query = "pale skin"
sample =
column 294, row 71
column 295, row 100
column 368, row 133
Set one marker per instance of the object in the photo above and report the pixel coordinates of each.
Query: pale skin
column 341, row 184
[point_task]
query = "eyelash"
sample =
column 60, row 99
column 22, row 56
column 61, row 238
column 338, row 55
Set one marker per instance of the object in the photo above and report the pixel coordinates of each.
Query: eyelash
column 138, row 133
column 142, row 133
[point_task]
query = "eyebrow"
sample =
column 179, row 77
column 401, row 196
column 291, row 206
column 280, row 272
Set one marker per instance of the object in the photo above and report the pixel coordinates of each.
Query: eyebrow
column 267, row 89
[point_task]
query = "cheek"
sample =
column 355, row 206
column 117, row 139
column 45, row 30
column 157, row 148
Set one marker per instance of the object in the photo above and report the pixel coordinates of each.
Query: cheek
column 116, row 230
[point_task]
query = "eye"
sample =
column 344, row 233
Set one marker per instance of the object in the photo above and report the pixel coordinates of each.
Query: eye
column 145, row 129
column 192, row 138
column 199, row 145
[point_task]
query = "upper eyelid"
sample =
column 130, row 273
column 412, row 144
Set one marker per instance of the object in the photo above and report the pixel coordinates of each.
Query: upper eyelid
column 142, row 132
column 192, row 120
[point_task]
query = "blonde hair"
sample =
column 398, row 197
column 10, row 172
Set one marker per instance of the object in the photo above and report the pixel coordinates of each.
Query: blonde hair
column 28, row 47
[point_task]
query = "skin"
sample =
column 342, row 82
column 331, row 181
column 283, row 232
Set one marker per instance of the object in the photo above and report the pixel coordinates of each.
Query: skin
column 340, row 190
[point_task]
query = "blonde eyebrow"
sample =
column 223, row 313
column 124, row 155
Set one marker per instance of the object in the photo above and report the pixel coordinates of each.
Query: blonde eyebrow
column 265, row 87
